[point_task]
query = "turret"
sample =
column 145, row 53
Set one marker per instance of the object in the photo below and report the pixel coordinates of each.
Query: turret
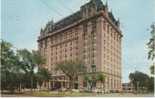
column 118, row 22
column 106, row 8
column 91, row 8
column 41, row 30
column 51, row 25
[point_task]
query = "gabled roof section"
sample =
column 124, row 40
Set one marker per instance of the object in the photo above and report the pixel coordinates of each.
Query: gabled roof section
column 64, row 22
column 67, row 21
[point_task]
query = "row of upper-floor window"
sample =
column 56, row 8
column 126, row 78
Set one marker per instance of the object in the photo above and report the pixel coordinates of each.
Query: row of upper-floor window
column 111, row 58
column 90, row 61
column 70, row 49
column 75, row 53
column 89, row 50
column 63, row 51
column 112, row 69
column 113, row 72
column 114, row 47
column 64, row 48
column 61, row 56
column 112, row 65
column 70, row 32
column 60, row 59
column 109, row 28
column 89, row 38
column 56, row 39
column 90, row 45
column 108, row 43
column 111, row 50
column 62, row 37
column 45, row 45
column 93, row 38
column 47, row 42
column 89, row 54
column 89, row 34
column 111, row 62
column 111, row 39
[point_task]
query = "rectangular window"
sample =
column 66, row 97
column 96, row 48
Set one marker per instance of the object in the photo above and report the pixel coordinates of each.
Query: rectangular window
column 45, row 43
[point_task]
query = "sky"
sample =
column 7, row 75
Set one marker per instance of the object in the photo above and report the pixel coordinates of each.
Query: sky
column 21, row 21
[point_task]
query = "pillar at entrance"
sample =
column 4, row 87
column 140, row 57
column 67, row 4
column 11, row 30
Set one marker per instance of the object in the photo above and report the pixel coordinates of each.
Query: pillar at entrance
column 49, row 85
column 80, row 82
column 62, row 85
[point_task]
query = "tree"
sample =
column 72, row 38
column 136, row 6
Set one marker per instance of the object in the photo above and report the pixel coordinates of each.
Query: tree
column 152, row 69
column 151, row 46
column 92, row 78
column 38, row 59
column 27, row 64
column 71, row 69
column 139, row 80
column 18, row 66
column 151, row 43
column 11, row 74
column 89, row 80
column 42, row 75
column 30, row 61
column 150, row 84
column 100, row 77
column 6, row 64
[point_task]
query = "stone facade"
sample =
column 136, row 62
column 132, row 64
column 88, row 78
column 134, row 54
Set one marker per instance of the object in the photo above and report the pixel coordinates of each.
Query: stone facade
column 92, row 35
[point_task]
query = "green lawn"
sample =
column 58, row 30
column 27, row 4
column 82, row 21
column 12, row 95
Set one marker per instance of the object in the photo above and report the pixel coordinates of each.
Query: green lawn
column 75, row 94
column 61, row 94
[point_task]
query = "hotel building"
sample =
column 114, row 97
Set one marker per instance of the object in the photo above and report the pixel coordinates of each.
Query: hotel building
column 93, row 35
